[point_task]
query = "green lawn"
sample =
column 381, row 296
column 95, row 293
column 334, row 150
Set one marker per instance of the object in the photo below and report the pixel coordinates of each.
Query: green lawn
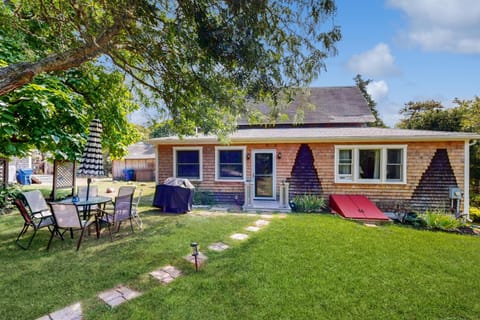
column 301, row 267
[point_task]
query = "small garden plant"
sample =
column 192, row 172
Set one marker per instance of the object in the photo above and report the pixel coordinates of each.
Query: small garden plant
column 475, row 214
column 203, row 197
column 438, row 220
column 307, row 203
column 7, row 195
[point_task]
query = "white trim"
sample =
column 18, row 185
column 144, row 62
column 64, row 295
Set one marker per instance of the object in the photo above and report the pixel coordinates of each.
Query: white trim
column 200, row 159
column 244, row 163
column 466, row 180
column 383, row 165
column 157, row 162
column 323, row 135
column 274, row 172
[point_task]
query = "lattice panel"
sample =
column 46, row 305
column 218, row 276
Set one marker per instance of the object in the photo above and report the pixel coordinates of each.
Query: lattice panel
column 64, row 174
column 3, row 171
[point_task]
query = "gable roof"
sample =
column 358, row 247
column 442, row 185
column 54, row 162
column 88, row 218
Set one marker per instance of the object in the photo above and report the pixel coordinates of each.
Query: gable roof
column 327, row 106
column 140, row 150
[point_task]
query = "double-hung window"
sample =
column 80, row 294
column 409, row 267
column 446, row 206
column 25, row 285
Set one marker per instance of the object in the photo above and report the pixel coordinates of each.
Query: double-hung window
column 230, row 163
column 371, row 164
column 188, row 162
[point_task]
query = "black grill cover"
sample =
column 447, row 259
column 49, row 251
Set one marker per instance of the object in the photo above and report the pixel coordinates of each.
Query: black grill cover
column 174, row 199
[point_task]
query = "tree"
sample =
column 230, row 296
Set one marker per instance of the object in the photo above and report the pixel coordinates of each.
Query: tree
column 463, row 117
column 362, row 85
column 52, row 113
column 431, row 115
column 201, row 59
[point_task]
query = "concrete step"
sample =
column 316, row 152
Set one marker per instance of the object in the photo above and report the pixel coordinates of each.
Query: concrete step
column 44, row 178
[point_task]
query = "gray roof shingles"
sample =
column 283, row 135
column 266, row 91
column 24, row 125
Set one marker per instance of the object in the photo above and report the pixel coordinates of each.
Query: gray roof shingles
column 331, row 105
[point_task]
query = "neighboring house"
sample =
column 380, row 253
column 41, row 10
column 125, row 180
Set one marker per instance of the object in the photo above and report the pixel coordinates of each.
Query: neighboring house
column 332, row 152
column 140, row 158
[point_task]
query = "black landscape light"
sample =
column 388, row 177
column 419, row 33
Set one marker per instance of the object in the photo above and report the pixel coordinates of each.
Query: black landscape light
column 194, row 247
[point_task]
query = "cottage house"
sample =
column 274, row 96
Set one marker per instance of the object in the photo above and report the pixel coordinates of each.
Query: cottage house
column 332, row 152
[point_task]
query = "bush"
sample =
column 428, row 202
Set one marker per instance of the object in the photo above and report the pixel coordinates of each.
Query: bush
column 7, row 195
column 440, row 221
column 475, row 214
column 203, row 197
column 307, row 203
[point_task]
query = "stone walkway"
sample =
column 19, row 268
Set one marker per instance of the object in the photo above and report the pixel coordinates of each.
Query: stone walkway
column 165, row 275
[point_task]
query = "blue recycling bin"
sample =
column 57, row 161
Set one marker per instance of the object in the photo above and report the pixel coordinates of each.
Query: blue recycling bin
column 128, row 174
column 24, row 176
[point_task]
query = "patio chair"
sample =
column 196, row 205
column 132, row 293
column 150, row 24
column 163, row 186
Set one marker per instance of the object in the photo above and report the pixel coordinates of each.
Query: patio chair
column 122, row 211
column 82, row 192
column 35, row 222
column 135, row 215
column 67, row 217
column 122, row 191
column 126, row 190
column 36, row 203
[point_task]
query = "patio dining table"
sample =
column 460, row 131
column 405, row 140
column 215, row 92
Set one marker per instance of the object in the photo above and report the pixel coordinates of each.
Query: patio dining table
column 87, row 207
column 87, row 204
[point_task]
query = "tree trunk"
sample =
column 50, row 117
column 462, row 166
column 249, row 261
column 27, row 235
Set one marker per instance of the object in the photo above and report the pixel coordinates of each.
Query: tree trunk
column 16, row 75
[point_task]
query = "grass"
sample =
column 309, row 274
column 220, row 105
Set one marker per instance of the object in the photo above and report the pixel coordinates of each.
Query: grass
column 302, row 267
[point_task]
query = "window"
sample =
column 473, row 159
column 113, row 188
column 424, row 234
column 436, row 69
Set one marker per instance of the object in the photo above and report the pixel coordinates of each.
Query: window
column 345, row 164
column 230, row 163
column 370, row 164
column 395, row 164
column 188, row 163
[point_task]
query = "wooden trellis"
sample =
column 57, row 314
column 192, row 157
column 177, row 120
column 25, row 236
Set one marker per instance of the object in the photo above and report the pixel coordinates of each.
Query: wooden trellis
column 63, row 176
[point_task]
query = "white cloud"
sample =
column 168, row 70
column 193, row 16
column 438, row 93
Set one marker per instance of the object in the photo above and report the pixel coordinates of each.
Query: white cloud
column 376, row 62
column 441, row 25
column 378, row 90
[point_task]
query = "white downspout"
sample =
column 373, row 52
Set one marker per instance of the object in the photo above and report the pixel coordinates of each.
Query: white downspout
column 466, row 182
column 157, row 160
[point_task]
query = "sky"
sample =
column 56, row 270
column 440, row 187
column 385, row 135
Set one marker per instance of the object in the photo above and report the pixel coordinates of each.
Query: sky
column 412, row 50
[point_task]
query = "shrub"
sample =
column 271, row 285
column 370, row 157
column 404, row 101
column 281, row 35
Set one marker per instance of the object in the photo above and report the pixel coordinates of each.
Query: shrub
column 440, row 221
column 7, row 195
column 475, row 214
column 307, row 203
column 203, row 197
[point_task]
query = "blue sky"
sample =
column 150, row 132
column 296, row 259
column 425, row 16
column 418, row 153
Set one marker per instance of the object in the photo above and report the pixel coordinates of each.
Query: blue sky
column 412, row 50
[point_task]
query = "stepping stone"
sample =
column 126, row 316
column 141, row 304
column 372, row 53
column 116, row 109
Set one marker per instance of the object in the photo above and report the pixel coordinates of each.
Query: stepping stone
column 219, row 209
column 201, row 258
column 166, row 274
column 261, row 223
column 252, row 228
column 118, row 295
column 266, row 216
column 371, row 225
column 219, row 246
column 72, row 312
column 239, row 236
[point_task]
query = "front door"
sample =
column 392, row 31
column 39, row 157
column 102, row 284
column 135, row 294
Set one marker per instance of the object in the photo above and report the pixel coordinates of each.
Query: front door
column 264, row 174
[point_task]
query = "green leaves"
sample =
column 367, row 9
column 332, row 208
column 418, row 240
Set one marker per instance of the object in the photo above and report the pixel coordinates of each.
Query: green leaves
column 199, row 60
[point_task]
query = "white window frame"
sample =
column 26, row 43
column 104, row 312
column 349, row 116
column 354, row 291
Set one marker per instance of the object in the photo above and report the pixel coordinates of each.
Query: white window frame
column 217, row 163
column 355, row 176
column 200, row 159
